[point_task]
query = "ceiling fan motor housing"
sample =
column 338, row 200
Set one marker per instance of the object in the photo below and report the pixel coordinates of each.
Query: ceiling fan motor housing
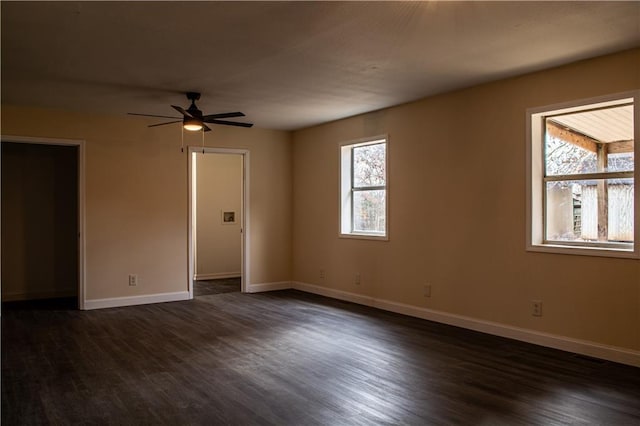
column 193, row 109
column 193, row 96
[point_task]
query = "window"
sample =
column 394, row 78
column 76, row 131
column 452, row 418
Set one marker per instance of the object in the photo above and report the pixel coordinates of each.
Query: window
column 363, row 189
column 581, row 177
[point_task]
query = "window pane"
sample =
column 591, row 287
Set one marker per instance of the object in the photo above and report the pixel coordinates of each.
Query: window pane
column 564, row 158
column 621, row 162
column 590, row 141
column 369, row 165
column 572, row 212
column 620, row 194
column 369, row 211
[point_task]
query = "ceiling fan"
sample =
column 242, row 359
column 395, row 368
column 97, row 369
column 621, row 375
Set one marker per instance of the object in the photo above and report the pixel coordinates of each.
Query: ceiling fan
column 193, row 120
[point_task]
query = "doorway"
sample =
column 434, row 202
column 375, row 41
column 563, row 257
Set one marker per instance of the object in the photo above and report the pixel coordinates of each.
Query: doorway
column 218, row 218
column 41, row 214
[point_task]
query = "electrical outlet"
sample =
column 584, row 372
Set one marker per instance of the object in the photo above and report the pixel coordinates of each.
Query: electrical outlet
column 322, row 274
column 357, row 279
column 536, row 308
column 133, row 280
column 427, row 290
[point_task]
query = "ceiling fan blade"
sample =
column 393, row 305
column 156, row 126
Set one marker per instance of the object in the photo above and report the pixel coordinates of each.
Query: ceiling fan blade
column 162, row 124
column 230, row 123
column 206, row 128
column 152, row 115
column 181, row 111
column 206, row 118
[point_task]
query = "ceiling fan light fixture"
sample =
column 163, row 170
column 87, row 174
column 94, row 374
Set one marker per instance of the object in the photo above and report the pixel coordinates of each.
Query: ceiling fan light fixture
column 192, row 124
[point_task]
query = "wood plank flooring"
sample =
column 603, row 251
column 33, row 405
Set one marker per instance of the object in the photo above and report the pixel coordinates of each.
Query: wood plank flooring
column 224, row 285
column 290, row 358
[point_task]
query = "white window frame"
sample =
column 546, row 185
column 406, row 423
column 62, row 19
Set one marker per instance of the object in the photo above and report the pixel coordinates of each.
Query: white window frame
column 535, row 169
column 345, row 190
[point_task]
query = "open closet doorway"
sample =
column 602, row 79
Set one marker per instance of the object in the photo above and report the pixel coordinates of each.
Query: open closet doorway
column 218, row 217
column 42, row 222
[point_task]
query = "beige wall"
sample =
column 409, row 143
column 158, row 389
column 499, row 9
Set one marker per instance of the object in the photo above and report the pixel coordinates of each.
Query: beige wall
column 218, row 188
column 137, row 204
column 39, row 221
column 457, row 211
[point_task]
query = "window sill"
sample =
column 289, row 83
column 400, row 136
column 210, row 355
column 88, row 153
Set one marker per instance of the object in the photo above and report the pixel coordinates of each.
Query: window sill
column 584, row 251
column 373, row 237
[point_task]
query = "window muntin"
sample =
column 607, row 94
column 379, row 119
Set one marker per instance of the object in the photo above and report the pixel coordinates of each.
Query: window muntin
column 582, row 172
column 363, row 207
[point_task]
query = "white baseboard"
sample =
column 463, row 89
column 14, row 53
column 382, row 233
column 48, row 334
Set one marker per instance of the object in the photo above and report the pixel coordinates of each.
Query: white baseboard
column 584, row 347
column 259, row 288
column 217, row 276
column 116, row 302
column 14, row 297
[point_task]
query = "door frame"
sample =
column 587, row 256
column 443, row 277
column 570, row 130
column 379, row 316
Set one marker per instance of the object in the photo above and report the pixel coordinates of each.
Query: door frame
column 244, row 217
column 81, row 198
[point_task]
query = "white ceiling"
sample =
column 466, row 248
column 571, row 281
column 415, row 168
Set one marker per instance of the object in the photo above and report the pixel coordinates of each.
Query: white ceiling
column 288, row 65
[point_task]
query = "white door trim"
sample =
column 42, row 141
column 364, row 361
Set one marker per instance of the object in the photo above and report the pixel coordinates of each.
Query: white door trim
column 244, row 219
column 81, row 199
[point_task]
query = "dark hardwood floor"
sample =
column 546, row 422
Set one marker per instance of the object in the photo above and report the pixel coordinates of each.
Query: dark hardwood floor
column 224, row 285
column 290, row 358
